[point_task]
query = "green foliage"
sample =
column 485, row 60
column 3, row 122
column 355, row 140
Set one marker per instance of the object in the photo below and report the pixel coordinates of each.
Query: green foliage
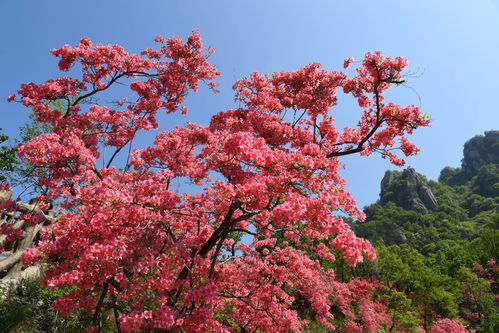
column 383, row 224
column 425, row 260
column 486, row 182
column 487, row 246
column 15, row 170
column 452, row 176
column 7, row 158
column 479, row 299
column 463, row 212
column 28, row 308
column 224, row 316
column 402, row 311
column 404, row 270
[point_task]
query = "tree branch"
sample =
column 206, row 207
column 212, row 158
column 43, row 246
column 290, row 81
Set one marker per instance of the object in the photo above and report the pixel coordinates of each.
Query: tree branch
column 373, row 130
column 96, row 318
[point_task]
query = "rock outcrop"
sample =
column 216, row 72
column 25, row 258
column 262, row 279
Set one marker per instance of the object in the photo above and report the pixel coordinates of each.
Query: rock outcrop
column 408, row 190
column 479, row 166
column 480, row 150
column 392, row 235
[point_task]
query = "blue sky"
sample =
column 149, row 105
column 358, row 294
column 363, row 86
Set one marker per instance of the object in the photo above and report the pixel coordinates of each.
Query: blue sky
column 452, row 47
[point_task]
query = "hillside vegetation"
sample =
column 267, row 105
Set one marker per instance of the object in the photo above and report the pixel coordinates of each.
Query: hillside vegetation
column 438, row 241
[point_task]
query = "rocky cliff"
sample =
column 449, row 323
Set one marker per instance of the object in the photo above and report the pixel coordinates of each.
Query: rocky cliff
column 408, row 190
column 480, row 166
column 431, row 215
column 479, row 151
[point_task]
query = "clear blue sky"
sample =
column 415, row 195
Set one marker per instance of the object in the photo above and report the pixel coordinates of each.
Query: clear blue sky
column 452, row 47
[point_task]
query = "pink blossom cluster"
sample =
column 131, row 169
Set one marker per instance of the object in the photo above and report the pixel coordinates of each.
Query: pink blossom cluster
column 165, row 259
column 357, row 302
column 10, row 232
column 30, row 256
column 446, row 325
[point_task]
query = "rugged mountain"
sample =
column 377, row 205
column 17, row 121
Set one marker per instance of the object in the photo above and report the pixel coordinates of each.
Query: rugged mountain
column 430, row 215
column 479, row 166
column 479, row 151
column 438, row 241
column 408, row 190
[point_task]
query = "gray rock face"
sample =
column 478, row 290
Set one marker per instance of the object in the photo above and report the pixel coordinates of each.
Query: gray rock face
column 387, row 181
column 427, row 197
column 5, row 195
column 399, row 234
column 408, row 190
column 391, row 234
column 29, row 273
column 396, row 236
column 480, row 150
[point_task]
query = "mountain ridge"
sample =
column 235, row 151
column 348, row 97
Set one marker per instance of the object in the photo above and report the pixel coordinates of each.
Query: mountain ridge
column 429, row 214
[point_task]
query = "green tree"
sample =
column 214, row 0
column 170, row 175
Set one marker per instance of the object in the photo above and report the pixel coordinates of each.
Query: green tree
column 479, row 301
column 16, row 171
column 27, row 307
column 8, row 158
column 433, row 294
column 486, row 182
column 402, row 311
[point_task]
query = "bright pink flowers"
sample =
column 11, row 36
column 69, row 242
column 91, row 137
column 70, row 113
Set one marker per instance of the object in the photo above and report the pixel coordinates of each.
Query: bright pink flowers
column 30, row 256
column 446, row 325
column 125, row 239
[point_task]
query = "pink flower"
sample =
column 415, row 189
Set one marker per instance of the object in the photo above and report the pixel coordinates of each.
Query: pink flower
column 263, row 180
column 85, row 41
column 159, row 39
column 65, row 305
column 347, row 62
column 447, row 325
column 30, row 256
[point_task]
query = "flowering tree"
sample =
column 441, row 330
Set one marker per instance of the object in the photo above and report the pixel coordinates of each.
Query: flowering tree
column 446, row 325
column 148, row 257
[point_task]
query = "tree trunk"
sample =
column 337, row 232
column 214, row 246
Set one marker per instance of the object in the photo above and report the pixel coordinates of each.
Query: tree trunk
column 11, row 267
